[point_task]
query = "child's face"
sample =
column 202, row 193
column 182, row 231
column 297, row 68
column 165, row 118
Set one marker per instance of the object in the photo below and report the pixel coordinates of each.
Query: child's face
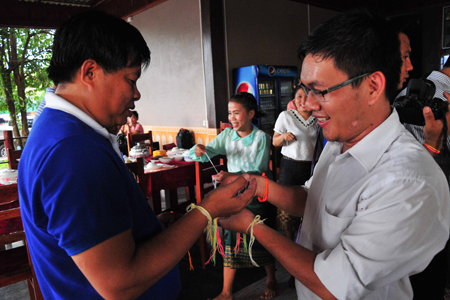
column 239, row 118
column 132, row 120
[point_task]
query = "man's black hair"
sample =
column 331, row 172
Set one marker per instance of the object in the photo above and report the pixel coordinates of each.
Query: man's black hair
column 359, row 43
column 110, row 41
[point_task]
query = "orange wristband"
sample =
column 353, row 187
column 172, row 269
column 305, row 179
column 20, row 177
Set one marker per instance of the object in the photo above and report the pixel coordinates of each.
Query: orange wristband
column 432, row 149
column 266, row 190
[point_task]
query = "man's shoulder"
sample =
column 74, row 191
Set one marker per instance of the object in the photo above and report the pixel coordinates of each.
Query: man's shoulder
column 64, row 130
column 410, row 159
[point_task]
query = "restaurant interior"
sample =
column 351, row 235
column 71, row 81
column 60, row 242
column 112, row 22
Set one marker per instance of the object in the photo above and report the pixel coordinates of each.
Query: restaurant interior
column 196, row 45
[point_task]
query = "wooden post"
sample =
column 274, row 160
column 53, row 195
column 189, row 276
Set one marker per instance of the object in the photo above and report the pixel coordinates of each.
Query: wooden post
column 9, row 143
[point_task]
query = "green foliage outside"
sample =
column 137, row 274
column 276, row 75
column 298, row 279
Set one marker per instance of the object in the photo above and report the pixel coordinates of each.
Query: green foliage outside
column 25, row 56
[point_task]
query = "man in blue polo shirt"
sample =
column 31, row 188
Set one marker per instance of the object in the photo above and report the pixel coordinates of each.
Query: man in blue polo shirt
column 90, row 231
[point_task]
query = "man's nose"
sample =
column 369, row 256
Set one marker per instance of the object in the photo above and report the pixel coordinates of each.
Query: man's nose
column 137, row 94
column 409, row 66
column 311, row 102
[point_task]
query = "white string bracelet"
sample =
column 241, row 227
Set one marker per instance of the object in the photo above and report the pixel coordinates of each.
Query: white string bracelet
column 192, row 206
column 257, row 220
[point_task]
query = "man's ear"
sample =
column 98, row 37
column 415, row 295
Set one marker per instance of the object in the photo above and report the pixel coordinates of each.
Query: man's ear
column 376, row 85
column 89, row 71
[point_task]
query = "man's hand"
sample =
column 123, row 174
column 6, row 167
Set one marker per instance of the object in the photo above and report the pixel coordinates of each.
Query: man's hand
column 433, row 128
column 238, row 222
column 199, row 150
column 225, row 201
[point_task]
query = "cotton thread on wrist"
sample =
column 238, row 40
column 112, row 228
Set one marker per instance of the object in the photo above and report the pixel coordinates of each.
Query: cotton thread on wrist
column 432, row 149
column 202, row 210
column 256, row 220
column 212, row 231
column 266, row 190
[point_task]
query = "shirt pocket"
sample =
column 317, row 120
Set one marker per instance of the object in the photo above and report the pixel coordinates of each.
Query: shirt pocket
column 333, row 226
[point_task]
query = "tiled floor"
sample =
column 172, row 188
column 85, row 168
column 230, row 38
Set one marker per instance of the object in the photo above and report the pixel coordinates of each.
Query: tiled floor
column 18, row 291
column 199, row 284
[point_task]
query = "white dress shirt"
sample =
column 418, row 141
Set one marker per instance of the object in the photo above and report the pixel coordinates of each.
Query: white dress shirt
column 375, row 215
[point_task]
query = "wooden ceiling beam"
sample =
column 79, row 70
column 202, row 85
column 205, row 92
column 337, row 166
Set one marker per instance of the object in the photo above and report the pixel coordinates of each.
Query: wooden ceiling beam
column 35, row 14
column 126, row 9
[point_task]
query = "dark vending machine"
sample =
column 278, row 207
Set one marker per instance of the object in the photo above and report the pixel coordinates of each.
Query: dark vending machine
column 272, row 87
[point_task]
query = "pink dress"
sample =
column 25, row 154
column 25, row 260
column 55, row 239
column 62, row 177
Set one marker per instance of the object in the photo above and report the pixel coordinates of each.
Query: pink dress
column 138, row 127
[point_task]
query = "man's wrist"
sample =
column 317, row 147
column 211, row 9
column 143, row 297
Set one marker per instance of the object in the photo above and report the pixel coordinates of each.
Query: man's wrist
column 432, row 148
column 436, row 144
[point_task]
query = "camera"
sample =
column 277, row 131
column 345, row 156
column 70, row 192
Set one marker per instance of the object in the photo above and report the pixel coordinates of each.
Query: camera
column 419, row 93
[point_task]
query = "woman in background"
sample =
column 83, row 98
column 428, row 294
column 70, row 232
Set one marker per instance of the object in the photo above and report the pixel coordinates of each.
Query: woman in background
column 296, row 131
column 132, row 125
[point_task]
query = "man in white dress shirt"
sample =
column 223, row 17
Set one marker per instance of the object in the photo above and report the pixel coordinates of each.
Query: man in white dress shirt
column 377, row 207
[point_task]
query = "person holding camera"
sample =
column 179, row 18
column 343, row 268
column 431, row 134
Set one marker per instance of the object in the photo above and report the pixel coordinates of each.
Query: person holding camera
column 431, row 135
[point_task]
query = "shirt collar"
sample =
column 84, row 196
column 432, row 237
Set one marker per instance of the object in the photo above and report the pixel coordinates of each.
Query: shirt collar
column 443, row 80
column 248, row 140
column 370, row 149
column 56, row 102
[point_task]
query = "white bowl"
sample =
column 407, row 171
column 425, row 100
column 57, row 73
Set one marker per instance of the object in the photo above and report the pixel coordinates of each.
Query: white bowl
column 165, row 159
column 188, row 158
column 175, row 151
column 152, row 165
column 8, row 176
column 178, row 157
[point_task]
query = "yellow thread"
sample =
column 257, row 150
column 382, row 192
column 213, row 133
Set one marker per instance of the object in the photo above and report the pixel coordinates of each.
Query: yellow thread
column 202, row 210
column 256, row 220
column 432, row 149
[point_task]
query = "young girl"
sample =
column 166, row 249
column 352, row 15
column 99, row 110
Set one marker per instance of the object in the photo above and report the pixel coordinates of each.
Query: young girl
column 248, row 151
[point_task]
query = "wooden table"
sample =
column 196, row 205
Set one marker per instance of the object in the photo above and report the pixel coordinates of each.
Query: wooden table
column 177, row 174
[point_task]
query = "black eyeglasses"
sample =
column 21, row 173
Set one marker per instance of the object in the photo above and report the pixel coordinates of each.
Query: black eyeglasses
column 320, row 95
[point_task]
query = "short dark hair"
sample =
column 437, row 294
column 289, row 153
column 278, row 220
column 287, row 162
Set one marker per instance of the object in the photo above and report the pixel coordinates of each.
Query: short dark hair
column 110, row 41
column 135, row 113
column 359, row 43
column 248, row 101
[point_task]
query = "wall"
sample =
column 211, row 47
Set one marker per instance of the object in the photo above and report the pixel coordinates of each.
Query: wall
column 172, row 88
column 267, row 31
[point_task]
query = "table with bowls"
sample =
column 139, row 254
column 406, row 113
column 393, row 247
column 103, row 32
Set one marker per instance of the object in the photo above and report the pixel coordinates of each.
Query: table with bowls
column 169, row 174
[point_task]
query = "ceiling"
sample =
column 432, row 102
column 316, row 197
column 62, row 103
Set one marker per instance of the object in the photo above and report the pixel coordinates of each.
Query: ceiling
column 51, row 13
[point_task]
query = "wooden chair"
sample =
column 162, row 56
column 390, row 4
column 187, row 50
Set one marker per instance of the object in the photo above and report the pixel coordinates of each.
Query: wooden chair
column 15, row 263
column 13, row 156
column 203, row 180
column 133, row 138
column 137, row 169
column 224, row 125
